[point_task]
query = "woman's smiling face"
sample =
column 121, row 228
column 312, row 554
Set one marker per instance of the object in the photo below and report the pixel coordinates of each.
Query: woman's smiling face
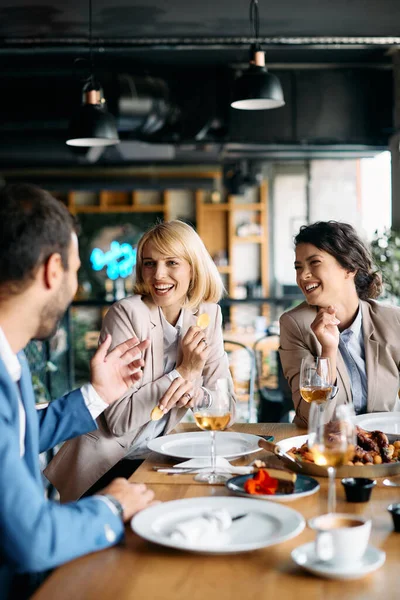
column 166, row 277
column 323, row 281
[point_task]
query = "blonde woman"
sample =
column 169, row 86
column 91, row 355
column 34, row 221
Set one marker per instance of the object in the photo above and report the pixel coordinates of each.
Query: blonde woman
column 176, row 281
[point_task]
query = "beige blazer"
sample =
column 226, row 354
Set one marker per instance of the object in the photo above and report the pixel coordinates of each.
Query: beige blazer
column 82, row 461
column 381, row 328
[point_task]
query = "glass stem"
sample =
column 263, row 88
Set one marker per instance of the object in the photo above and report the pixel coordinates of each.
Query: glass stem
column 331, row 490
column 213, row 457
column 321, row 409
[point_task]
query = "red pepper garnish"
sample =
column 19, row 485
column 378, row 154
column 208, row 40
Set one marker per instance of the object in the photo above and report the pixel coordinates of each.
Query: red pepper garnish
column 261, row 483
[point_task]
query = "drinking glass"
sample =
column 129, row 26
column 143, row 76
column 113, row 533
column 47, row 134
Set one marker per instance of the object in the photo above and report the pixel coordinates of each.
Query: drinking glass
column 316, row 380
column 332, row 443
column 212, row 412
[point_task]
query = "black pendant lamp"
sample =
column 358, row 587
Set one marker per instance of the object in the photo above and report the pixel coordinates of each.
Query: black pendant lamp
column 93, row 125
column 257, row 89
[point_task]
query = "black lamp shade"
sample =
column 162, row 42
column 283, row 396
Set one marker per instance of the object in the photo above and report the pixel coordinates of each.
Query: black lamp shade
column 93, row 126
column 257, row 89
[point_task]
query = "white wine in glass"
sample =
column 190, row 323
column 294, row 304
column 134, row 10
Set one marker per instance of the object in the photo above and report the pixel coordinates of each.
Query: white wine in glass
column 315, row 379
column 212, row 422
column 332, row 443
column 212, row 412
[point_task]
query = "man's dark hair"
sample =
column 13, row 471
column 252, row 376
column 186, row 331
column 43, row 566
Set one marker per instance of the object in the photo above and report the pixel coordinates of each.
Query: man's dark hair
column 342, row 242
column 33, row 226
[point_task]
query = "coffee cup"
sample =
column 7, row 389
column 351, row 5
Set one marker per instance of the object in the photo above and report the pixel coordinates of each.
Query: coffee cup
column 341, row 539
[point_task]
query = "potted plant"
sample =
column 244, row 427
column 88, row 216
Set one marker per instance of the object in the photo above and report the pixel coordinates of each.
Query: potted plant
column 385, row 248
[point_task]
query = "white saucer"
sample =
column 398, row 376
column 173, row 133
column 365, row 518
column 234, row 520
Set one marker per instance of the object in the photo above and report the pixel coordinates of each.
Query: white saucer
column 304, row 556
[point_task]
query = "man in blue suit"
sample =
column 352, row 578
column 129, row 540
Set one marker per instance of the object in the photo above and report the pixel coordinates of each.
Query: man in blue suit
column 39, row 261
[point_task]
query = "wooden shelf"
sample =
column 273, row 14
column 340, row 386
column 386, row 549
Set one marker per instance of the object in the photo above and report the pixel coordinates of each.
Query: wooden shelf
column 207, row 206
column 258, row 206
column 224, row 268
column 247, row 239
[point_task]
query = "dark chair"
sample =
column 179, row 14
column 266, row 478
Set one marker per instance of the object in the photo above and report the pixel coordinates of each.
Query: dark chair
column 243, row 370
column 275, row 396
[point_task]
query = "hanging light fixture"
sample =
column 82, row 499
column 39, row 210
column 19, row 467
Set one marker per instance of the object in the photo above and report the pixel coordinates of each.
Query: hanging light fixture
column 93, row 125
column 257, row 89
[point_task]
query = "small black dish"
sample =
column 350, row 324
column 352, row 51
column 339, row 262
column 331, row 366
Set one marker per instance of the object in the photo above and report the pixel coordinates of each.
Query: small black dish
column 358, row 489
column 394, row 510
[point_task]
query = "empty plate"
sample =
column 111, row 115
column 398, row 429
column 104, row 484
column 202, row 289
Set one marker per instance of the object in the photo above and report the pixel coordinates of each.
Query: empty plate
column 197, row 444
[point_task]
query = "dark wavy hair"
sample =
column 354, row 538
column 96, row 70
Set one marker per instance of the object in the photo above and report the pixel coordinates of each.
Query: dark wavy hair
column 342, row 242
column 33, row 226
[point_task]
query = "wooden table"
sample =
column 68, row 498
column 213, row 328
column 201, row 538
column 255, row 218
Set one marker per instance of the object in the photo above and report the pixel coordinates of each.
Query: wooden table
column 139, row 570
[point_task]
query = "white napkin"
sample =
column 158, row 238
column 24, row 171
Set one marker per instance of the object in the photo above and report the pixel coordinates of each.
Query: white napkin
column 207, row 529
column 222, row 465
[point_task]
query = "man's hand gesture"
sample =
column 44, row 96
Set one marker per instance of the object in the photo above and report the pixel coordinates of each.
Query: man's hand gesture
column 113, row 374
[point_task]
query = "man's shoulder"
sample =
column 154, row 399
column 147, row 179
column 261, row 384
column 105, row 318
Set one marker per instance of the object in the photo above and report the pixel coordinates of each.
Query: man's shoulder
column 6, row 392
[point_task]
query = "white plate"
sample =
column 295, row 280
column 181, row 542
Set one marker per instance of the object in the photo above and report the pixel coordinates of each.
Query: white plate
column 304, row 486
column 266, row 523
column 289, row 443
column 388, row 422
column 305, row 557
column 229, row 444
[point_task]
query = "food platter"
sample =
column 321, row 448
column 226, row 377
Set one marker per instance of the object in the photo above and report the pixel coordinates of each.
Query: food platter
column 307, row 468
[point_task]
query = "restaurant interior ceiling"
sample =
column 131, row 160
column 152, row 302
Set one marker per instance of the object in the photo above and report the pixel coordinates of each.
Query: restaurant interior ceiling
column 168, row 67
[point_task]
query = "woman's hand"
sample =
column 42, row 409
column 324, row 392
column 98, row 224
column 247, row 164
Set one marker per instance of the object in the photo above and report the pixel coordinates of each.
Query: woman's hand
column 180, row 393
column 325, row 328
column 195, row 352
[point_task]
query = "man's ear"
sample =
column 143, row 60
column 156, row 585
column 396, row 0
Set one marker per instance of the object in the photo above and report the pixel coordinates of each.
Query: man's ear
column 53, row 271
column 351, row 274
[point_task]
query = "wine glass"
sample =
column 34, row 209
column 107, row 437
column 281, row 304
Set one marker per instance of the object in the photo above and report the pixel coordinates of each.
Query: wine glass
column 212, row 412
column 316, row 380
column 332, row 443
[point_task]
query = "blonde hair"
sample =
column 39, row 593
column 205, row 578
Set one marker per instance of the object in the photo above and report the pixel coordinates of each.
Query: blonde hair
column 176, row 238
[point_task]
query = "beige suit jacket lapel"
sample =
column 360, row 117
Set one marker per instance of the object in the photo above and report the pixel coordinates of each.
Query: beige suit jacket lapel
column 371, row 355
column 343, row 376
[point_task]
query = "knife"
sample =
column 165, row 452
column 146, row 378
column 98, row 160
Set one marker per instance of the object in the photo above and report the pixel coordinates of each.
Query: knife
column 274, row 448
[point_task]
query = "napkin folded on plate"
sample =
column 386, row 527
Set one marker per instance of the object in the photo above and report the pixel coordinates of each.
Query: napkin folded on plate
column 209, row 528
column 203, row 465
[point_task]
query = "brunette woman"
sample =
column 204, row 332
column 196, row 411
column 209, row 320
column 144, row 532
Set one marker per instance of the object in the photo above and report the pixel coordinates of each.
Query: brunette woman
column 341, row 319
